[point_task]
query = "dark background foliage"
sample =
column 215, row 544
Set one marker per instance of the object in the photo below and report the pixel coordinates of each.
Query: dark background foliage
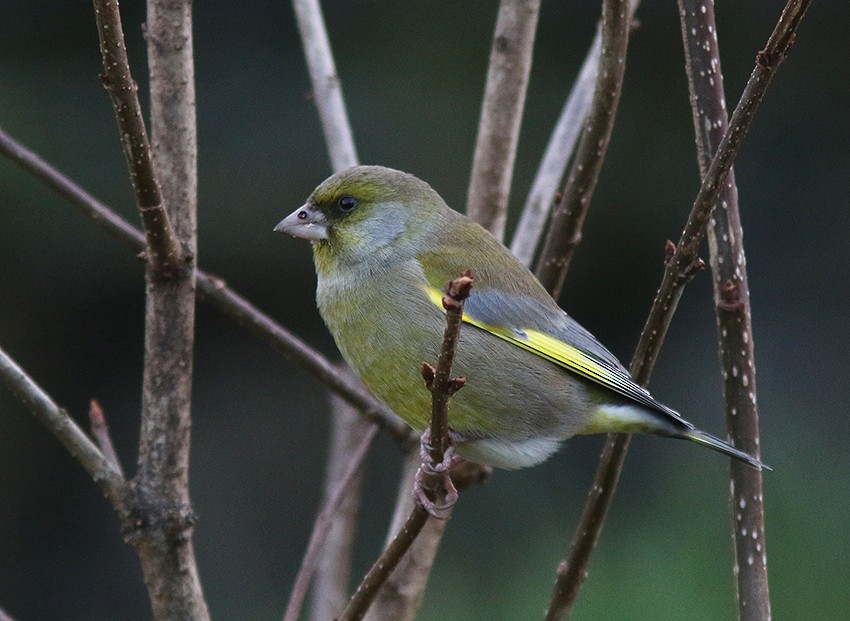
column 71, row 308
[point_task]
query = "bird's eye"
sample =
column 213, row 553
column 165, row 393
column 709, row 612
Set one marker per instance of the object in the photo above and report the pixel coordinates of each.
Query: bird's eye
column 347, row 203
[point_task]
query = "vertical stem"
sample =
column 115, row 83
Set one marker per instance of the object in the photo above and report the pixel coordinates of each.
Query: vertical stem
column 732, row 309
column 501, row 114
column 165, row 526
column 568, row 218
column 561, row 145
column 679, row 268
column 327, row 88
column 333, row 570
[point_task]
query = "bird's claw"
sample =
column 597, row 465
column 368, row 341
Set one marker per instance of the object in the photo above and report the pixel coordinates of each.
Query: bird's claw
column 433, row 489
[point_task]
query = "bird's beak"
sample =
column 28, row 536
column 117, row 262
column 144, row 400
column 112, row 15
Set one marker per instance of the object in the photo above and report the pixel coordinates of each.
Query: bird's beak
column 306, row 222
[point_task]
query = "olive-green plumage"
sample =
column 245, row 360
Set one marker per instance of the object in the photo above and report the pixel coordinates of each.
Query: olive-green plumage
column 385, row 245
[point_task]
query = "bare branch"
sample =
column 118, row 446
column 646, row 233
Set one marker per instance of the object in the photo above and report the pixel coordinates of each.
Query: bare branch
column 561, row 144
column 215, row 291
column 100, row 431
column 401, row 595
column 90, row 207
column 680, row 265
column 732, row 307
column 678, row 270
column 63, row 427
column 542, row 195
column 433, row 475
column 501, row 114
column 342, row 485
column 568, row 218
column 162, row 536
column 333, row 571
column 327, row 88
column 164, row 251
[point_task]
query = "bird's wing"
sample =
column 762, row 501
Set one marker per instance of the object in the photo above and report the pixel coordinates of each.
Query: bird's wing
column 554, row 337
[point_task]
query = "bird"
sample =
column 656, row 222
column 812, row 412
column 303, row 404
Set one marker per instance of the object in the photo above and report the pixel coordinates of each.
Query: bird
column 384, row 246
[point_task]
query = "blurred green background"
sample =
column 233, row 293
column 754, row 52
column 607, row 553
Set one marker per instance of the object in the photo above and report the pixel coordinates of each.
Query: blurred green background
column 71, row 309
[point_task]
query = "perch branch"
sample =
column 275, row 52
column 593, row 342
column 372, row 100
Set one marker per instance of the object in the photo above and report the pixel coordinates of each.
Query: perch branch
column 501, row 114
column 163, row 246
column 436, row 447
column 680, row 267
column 732, row 309
column 568, row 217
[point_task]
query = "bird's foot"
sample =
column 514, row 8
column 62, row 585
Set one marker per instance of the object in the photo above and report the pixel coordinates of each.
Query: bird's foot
column 433, row 489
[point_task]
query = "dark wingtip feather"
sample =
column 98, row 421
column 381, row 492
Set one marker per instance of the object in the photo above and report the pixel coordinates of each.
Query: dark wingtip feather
column 721, row 446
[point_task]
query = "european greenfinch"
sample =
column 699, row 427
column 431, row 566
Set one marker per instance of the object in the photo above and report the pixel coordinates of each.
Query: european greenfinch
column 385, row 245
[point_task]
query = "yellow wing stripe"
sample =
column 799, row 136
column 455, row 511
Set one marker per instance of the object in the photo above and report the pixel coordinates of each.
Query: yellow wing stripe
column 548, row 347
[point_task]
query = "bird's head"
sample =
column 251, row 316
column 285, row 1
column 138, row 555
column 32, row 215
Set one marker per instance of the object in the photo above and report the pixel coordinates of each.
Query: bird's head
column 363, row 213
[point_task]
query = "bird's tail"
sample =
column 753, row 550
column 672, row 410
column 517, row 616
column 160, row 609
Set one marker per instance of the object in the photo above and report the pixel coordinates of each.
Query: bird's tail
column 714, row 443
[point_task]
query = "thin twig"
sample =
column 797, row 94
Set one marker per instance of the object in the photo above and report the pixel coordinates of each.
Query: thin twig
column 442, row 386
column 330, row 586
column 164, row 250
column 323, row 525
column 359, row 603
column 501, row 114
column 568, row 217
column 100, row 431
column 679, row 269
column 88, row 205
column 63, row 427
column 214, row 290
column 327, row 88
column 732, row 308
column 682, row 262
column 401, row 595
column 561, row 144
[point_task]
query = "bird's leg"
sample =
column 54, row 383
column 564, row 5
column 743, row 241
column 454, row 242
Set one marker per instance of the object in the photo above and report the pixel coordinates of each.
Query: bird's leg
column 433, row 489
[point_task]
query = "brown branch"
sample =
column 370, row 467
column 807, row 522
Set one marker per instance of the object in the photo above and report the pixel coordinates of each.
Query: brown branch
column 435, row 449
column 681, row 264
column 568, row 217
column 501, row 114
column 401, row 595
column 165, row 253
column 327, row 87
column 164, row 520
column 100, row 431
column 215, row 291
column 359, row 603
column 561, row 144
column 56, row 420
column 678, row 270
column 732, row 307
column 349, row 431
column 323, row 524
